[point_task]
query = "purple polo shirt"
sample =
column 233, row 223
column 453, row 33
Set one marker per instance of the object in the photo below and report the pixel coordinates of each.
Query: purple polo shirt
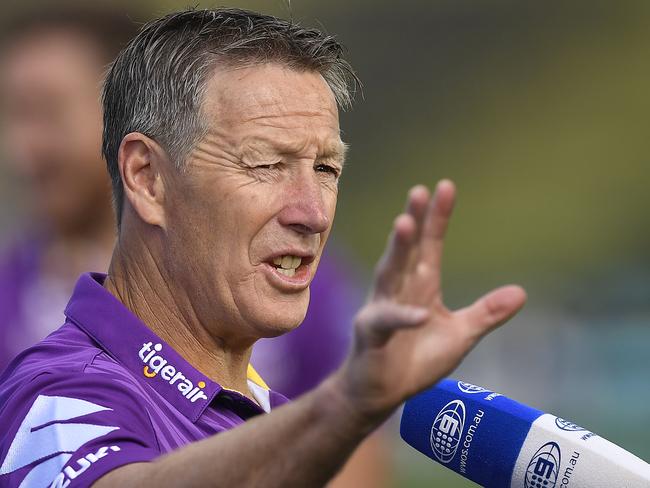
column 103, row 391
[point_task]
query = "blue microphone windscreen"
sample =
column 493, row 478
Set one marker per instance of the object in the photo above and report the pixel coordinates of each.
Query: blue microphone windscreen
column 473, row 431
column 499, row 443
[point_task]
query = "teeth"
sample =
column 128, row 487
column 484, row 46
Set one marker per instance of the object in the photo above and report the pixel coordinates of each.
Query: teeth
column 287, row 262
column 287, row 272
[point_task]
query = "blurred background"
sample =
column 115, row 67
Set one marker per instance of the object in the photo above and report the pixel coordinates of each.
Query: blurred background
column 539, row 112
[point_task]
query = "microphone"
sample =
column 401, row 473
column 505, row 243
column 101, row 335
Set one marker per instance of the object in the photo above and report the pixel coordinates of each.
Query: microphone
column 499, row 443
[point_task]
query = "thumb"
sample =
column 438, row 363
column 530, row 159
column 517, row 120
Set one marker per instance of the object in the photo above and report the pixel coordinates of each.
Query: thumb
column 379, row 320
column 493, row 309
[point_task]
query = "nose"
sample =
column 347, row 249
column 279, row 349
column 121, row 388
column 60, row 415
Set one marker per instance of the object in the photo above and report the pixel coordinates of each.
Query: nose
column 305, row 208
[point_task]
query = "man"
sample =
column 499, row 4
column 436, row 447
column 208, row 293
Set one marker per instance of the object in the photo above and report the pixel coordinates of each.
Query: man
column 222, row 139
column 50, row 79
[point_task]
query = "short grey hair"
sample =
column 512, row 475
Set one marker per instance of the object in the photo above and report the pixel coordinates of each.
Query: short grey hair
column 157, row 83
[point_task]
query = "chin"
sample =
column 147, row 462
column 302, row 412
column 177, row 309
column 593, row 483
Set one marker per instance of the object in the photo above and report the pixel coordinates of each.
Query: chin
column 278, row 319
column 271, row 313
column 274, row 324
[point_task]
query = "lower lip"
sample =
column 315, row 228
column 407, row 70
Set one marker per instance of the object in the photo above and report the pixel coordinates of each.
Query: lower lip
column 298, row 282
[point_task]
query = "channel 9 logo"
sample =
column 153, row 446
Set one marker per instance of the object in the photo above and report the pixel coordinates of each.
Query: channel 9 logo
column 544, row 467
column 568, row 426
column 470, row 388
column 447, row 430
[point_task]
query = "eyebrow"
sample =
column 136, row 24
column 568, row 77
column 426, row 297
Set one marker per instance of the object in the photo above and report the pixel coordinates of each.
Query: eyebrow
column 335, row 153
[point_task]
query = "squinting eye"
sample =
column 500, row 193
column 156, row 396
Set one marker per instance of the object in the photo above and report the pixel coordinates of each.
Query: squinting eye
column 324, row 168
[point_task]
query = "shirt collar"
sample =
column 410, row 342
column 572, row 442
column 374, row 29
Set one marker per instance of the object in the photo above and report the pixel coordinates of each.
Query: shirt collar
column 128, row 340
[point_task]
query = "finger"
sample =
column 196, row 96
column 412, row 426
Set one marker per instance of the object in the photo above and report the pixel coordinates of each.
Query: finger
column 417, row 203
column 400, row 248
column 435, row 224
column 377, row 322
column 493, row 309
column 391, row 267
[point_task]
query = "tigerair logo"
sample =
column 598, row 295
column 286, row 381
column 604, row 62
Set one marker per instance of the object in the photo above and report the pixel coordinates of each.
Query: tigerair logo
column 155, row 363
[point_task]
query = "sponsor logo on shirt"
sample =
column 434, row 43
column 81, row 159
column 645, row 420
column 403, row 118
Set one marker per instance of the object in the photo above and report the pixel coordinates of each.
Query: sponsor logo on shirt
column 155, row 363
column 51, row 432
column 69, row 473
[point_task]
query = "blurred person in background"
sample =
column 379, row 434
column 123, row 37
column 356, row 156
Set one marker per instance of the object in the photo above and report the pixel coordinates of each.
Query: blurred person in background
column 51, row 67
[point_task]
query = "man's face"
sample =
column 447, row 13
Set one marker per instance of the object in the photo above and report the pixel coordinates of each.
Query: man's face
column 51, row 124
column 251, row 214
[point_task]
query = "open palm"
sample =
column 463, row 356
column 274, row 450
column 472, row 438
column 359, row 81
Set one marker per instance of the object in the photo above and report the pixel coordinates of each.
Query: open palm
column 405, row 338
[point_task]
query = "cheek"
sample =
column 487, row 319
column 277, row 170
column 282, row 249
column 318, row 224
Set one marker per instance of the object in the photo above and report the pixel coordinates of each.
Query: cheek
column 250, row 208
column 213, row 229
column 221, row 220
column 333, row 199
column 192, row 251
column 330, row 197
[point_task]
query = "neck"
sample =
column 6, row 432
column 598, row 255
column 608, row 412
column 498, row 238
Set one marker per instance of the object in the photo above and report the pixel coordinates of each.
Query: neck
column 139, row 282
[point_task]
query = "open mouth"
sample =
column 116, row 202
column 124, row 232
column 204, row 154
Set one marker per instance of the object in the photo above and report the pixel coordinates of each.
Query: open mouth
column 287, row 265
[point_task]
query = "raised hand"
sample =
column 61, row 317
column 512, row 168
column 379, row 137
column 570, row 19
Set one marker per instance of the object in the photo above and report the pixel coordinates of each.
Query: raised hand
column 405, row 338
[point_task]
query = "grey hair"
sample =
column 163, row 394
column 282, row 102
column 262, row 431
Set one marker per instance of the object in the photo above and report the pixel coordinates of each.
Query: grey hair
column 157, row 83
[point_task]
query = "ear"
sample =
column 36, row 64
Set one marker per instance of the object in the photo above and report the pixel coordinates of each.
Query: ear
column 141, row 161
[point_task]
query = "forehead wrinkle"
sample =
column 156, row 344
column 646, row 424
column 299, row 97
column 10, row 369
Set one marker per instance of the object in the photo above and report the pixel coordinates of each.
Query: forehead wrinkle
column 262, row 101
column 264, row 146
column 282, row 97
column 287, row 115
column 271, row 128
column 267, row 88
column 277, row 113
column 269, row 120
